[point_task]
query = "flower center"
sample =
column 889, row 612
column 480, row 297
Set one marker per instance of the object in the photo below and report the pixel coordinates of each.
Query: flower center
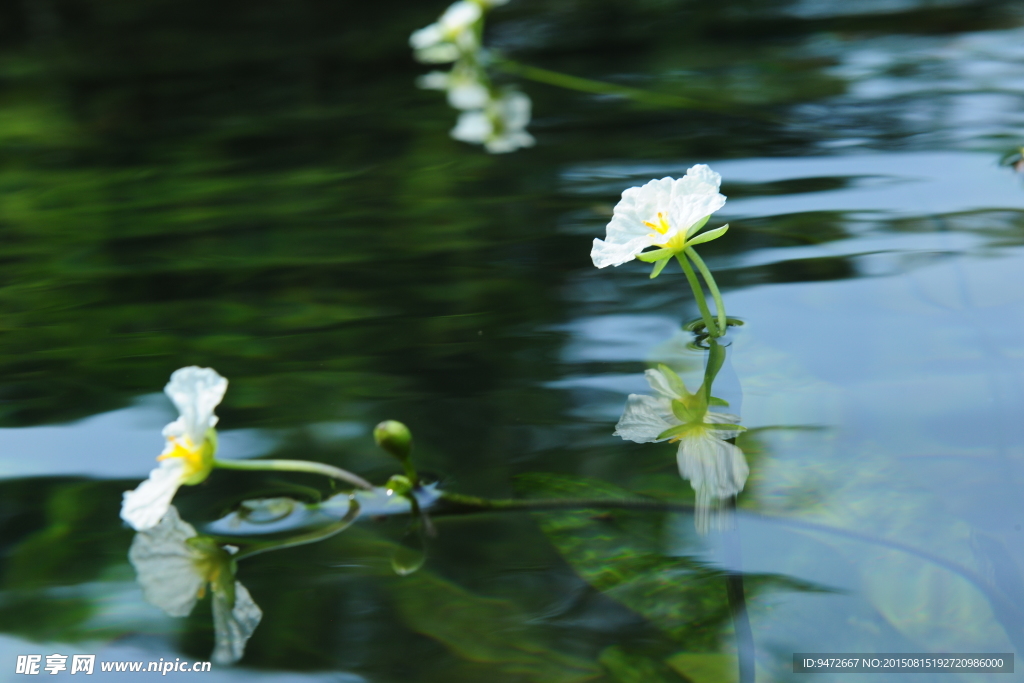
column 191, row 454
column 661, row 228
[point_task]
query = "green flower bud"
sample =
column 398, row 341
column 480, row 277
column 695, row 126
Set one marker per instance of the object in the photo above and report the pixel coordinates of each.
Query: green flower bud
column 399, row 484
column 395, row 438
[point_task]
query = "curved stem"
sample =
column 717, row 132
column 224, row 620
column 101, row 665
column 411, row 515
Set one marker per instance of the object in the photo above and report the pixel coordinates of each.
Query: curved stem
column 698, row 294
column 561, row 80
column 715, row 294
column 295, row 466
column 303, row 539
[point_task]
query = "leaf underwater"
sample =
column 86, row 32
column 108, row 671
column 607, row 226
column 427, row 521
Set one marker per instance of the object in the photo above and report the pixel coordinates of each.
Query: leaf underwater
column 619, row 553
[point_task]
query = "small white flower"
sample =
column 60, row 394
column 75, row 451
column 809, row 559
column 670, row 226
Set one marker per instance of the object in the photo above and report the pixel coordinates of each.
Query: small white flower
column 452, row 35
column 664, row 213
column 188, row 454
column 500, row 126
column 715, row 468
column 174, row 565
column 463, row 84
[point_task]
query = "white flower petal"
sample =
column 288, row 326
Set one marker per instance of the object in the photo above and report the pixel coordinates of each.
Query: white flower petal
column 680, row 203
column 644, row 418
column 659, row 382
column 425, row 37
column 435, row 80
column 196, row 392
column 441, row 53
column 458, row 17
column 472, row 126
column 695, row 196
column 166, row 565
column 468, row 95
column 233, row 626
column 515, row 108
column 509, row 142
column 605, row 254
column 144, row 507
column 723, row 418
column 714, row 466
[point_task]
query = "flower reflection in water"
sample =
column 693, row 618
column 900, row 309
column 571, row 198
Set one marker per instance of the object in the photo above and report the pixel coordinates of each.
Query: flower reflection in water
column 716, row 469
column 174, row 565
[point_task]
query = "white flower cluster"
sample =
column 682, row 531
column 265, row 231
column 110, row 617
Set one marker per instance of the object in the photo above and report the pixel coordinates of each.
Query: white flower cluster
column 489, row 117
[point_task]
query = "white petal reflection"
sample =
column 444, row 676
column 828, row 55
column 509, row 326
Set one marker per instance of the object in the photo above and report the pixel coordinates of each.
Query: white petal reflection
column 174, row 565
column 166, row 565
column 233, row 625
column 716, row 469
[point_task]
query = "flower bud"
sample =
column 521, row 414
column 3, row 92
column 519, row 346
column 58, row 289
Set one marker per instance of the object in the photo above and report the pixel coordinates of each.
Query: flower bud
column 399, row 484
column 395, row 438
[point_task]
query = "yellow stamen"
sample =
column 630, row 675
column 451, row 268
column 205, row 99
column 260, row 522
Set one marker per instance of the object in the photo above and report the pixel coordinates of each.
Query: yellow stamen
column 184, row 449
column 662, row 225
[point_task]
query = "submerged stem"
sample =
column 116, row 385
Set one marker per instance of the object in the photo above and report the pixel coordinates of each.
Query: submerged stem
column 741, row 624
column 295, row 466
column 698, row 293
column 715, row 294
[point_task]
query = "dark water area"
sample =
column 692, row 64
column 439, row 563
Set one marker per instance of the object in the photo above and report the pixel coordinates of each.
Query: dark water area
column 261, row 188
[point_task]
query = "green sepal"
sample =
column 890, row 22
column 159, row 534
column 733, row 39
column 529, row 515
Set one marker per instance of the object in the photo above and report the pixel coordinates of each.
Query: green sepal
column 674, row 382
column 658, row 267
column 715, row 401
column 692, row 230
column 678, row 430
column 708, row 236
column 656, row 255
column 682, row 412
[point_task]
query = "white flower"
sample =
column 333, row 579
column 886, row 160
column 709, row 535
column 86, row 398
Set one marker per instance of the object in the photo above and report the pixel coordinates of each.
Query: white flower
column 499, row 126
column 664, row 213
column 452, row 35
column 715, row 468
column 188, row 454
column 463, row 84
column 174, row 565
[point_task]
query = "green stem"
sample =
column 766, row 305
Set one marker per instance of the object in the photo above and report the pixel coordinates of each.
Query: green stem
column 715, row 294
column 295, row 466
column 561, row 80
column 698, row 294
column 458, row 503
column 302, row 539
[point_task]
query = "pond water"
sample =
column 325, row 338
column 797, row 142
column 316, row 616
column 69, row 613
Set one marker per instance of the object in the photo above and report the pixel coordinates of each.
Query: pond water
column 261, row 188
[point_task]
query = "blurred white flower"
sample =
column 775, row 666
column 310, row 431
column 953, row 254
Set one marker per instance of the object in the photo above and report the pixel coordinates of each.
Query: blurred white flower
column 187, row 457
column 500, row 126
column 715, row 468
column 664, row 213
column 174, row 565
column 464, row 85
column 453, row 34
